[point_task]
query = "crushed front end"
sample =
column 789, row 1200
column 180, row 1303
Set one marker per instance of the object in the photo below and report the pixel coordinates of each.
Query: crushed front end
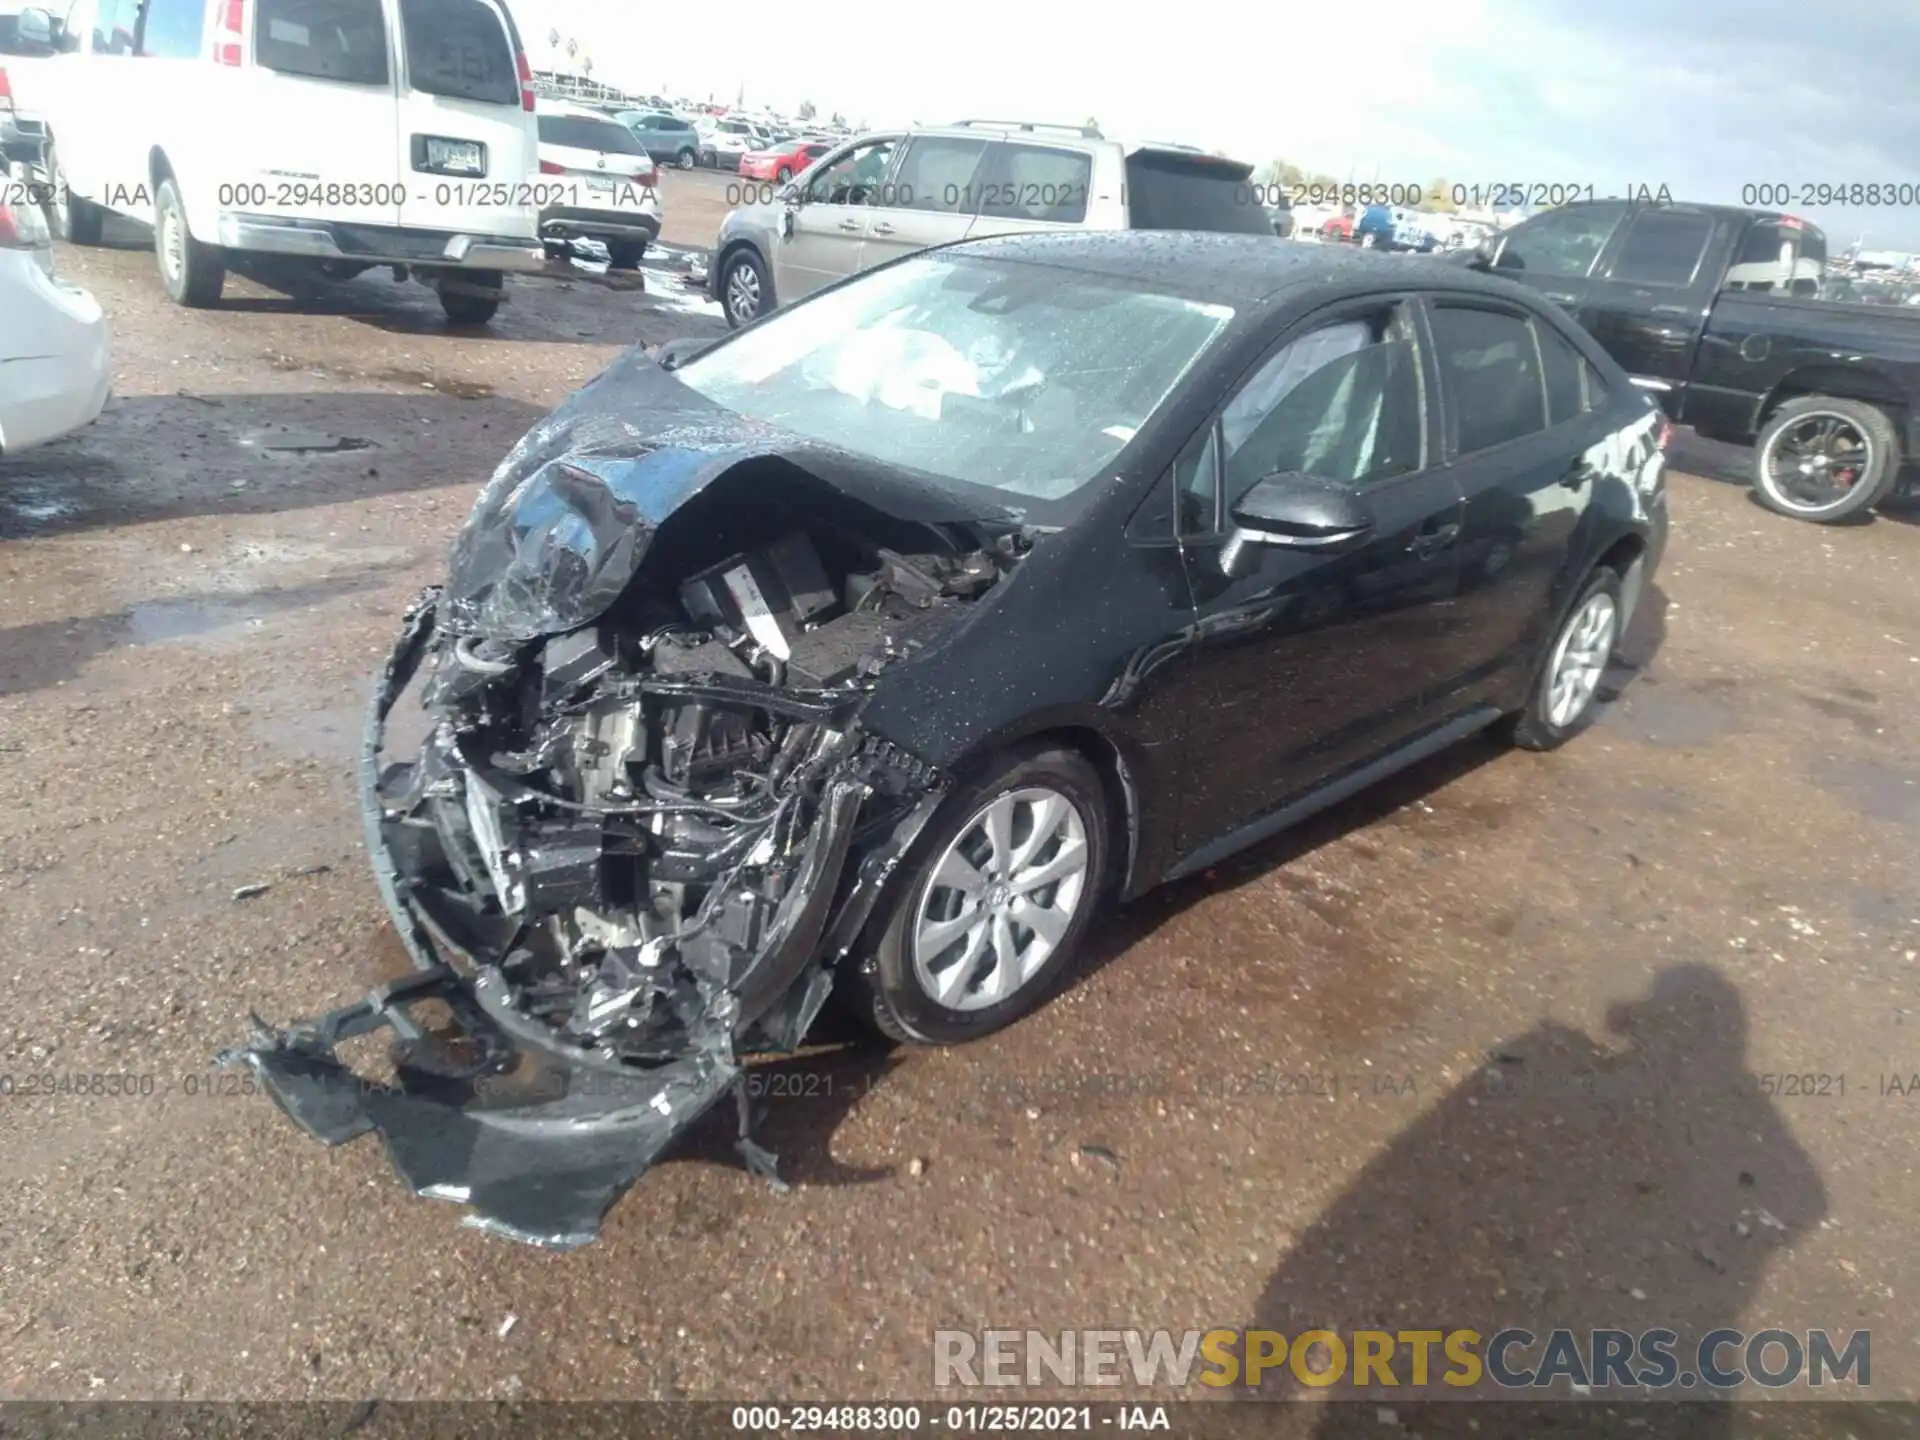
column 628, row 852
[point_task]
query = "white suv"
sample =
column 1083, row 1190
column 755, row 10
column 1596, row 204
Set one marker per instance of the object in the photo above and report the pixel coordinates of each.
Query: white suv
column 352, row 133
column 882, row 196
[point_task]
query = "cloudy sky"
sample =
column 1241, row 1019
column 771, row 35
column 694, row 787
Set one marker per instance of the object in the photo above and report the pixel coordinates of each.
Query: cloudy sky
column 1703, row 96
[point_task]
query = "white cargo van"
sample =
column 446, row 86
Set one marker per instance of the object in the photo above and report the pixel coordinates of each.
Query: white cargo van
column 350, row 133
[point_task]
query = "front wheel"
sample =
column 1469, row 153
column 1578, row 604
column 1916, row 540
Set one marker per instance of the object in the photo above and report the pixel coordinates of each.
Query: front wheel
column 782, row 175
column 745, row 292
column 193, row 274
column 1563, row 700
column 993, row 902
column 686, row 159
column 1825, row 459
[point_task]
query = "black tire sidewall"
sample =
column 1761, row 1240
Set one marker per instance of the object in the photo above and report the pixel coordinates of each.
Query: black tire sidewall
column 1871, row 488
column 888, row 969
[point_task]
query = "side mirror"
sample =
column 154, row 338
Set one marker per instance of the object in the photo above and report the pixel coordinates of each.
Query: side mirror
column 1302, row 512
column 35, row 26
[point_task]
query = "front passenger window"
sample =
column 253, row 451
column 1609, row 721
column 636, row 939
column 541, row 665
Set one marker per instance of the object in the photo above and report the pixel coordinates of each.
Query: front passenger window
column 1342, row 403
column 853, row 179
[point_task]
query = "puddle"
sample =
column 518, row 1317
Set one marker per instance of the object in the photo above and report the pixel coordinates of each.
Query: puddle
column 438, row 384
column 1684, row 714
column 300, row 443
column 1876, row 790
column 155, row 622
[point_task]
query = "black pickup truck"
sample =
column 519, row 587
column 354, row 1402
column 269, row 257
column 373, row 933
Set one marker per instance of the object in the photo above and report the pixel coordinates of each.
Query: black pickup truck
column 1718, row 310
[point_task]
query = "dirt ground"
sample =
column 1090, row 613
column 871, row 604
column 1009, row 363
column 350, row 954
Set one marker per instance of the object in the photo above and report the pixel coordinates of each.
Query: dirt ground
column 1263, row 1102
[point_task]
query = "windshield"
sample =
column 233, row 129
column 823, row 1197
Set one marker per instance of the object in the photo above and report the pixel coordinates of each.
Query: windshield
column 1023, row 379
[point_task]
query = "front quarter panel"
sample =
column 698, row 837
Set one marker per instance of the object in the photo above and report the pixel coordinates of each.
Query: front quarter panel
column 1091, row 634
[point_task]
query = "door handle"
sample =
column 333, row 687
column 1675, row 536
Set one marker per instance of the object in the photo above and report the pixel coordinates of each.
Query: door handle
column 850, row 226
column 881, row 229
column 1574, row 478
column 1560, row 299
column 1429, row 542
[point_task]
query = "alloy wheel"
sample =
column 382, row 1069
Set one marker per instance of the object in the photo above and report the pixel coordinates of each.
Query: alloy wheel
column 1002, row 896
column 1814, row 463
column 743, row 292
column 1580, row 659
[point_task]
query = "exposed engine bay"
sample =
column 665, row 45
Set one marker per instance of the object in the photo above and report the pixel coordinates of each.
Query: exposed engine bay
column 627, row 819
column 645, row 818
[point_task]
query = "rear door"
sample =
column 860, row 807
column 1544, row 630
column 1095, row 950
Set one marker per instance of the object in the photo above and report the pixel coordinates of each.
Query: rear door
column 929, row 199
column 1518, row 414
column 466, row 141
column 312, row 136
column 1026, row 187
column 1648, row 303
column 1185, row 190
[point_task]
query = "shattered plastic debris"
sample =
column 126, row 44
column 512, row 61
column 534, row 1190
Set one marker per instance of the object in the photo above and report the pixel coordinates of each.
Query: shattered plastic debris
column 647, row 818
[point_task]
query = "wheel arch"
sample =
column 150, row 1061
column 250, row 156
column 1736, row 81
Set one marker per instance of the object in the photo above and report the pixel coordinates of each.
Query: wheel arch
column 1866, row 385
column 1119, row 778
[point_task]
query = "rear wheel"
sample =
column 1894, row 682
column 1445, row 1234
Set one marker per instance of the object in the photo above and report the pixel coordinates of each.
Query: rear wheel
column 463, row 309
column 76, row 221
column 993, row 902
column 193, row 274
column 1825, row 459
column 1563, row 700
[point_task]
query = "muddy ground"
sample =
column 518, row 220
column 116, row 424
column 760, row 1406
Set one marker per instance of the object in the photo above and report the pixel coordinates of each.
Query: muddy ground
column 1264, row 1102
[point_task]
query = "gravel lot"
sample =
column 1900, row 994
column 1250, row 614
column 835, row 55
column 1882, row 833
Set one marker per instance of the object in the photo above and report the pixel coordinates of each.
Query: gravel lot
column 1715, row 886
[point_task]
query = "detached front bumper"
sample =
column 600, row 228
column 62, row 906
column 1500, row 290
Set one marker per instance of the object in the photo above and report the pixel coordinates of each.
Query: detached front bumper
column 495, row 1111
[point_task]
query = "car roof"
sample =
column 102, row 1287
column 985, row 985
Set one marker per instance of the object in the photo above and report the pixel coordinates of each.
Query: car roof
column 1243, row 270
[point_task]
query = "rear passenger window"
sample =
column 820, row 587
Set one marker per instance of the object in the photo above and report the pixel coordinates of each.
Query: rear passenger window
column 1490, row 376
column 459, row 48
column 1560, row 365
column 1663, row 247
column 1036, row 182
column 343, row 40
column 938, row 173
column 173, row 29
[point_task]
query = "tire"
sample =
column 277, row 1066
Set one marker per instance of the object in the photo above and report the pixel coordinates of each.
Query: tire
column 1543, row 724
column 782, row 175
column 76, row 221
column 468, row 309
column 625, row 254
column 193, row 274
column 1367, row 241
column 686, row 159
column 746, row 292
column 1822, row 428
column 895, row 992
column 710, row 160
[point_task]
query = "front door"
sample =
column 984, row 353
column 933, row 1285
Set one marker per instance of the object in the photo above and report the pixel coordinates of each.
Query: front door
column 929, row 199
column 828, row 225
column 1309, row 663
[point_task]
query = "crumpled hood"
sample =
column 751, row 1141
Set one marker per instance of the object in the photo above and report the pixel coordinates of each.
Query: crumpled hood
column 563, row 526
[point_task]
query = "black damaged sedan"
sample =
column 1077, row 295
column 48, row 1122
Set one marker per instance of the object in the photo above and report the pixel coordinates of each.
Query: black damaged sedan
column 877, row 646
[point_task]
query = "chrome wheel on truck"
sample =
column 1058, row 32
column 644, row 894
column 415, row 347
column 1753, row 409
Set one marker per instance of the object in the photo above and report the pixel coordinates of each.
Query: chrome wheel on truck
column 1824, row 459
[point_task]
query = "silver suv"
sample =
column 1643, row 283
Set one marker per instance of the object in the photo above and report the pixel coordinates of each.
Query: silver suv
column 881, row 196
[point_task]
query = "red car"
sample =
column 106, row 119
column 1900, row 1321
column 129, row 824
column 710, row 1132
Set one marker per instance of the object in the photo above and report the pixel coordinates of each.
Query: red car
column 783, row 161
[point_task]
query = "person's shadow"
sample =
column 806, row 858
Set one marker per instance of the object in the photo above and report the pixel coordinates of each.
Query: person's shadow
column 1565, row 1185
